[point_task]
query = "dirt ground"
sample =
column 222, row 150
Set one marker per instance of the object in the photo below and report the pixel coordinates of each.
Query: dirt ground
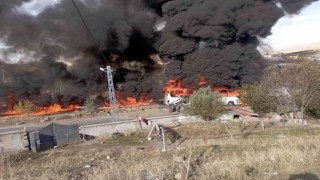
column 207, row 150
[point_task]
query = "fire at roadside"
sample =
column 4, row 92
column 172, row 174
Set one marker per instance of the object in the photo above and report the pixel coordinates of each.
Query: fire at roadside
column 175, row 95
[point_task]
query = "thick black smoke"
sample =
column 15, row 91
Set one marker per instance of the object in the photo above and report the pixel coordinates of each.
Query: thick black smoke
column 216, row 39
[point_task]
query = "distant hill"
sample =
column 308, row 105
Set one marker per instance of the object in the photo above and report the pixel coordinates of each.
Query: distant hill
column 300, row 48
column 294, row 55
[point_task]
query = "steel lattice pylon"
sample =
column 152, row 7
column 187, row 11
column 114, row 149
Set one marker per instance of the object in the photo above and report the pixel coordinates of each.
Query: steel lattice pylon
column 112, row 94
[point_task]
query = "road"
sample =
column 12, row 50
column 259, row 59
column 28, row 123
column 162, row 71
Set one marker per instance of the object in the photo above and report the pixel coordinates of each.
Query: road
column 78, row 121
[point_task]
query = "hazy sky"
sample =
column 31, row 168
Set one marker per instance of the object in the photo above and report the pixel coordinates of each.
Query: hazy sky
column 296, row 30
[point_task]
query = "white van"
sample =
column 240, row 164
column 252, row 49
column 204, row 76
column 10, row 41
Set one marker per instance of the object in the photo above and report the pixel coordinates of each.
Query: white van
column 230, row 100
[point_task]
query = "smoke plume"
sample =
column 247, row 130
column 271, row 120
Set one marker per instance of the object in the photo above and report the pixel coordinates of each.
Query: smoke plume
column 145, row 41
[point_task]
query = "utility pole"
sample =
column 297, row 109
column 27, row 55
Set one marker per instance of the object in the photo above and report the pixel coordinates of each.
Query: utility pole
column 112, row 94
column 107, row 70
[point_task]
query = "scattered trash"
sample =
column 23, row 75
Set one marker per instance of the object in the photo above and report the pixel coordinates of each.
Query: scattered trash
column 272, row 159
column 271, row 173
column 102, row 142
column 280, row 137
column 87, row 166
column 148, row 176
column 178, row 176
column 19, row 123
column 55, row 147
column 117, row 134
column 108, row 157
column 92, row 159
column 179, row 159
column 86, row 137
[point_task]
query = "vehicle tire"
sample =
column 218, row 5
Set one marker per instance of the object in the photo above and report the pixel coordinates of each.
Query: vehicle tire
column 172, row 108
column 178, row 108
column 230, row 103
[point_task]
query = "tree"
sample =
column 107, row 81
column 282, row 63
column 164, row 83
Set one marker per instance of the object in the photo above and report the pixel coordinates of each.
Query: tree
column 206, row 104
column 25, row 106
column 259, row 98
column 288, row 88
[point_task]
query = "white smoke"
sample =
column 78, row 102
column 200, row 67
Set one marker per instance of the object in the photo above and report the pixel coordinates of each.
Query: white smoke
column 279, row 5
column 35, row 7
column 160, row 26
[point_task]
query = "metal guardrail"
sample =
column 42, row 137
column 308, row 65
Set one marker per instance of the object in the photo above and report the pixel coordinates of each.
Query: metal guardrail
column 128, row 121
column 12, row 132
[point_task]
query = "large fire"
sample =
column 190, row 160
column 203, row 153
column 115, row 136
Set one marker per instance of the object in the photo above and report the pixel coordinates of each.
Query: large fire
column 175, row 87
column 51, row 109
column 57, row 108
column 129, row 101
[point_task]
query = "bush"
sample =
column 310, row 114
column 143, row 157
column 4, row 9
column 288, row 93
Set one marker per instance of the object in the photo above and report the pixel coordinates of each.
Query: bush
column 25, row 106
column 259, row 98
column 313, row 109
column 206, row 104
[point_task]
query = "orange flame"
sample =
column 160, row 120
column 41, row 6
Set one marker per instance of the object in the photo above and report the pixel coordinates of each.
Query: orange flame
column 202, row 81
column 52, row 109
column 129, row 101
column 175, row 87
column 224, row 91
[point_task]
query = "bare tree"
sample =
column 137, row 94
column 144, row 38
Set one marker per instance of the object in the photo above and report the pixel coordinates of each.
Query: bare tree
column 294, row 86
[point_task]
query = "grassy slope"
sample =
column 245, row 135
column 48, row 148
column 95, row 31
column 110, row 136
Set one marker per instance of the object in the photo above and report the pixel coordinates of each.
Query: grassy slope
column 205, row 151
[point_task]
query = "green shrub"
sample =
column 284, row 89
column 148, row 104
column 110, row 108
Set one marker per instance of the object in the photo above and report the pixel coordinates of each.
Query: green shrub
column 206, row 104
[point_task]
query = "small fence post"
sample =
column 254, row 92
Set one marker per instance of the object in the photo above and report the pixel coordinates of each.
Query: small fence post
column 163, row 139
column 139, row 120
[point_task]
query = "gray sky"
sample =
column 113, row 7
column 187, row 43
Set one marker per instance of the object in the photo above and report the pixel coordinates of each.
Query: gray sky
column 297, row 31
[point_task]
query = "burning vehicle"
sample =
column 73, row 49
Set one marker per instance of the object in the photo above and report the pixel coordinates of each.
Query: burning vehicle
column 176, row 96
column 176, row 103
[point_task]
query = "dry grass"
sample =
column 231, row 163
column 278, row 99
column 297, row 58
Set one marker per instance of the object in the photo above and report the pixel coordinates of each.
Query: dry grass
column 208, row 152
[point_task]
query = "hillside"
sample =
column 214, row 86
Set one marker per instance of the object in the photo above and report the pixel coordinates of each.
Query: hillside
column 205, row 151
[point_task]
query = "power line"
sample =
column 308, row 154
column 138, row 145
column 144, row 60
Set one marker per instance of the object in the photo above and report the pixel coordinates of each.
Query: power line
column 107, row 71
column 90, row 33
